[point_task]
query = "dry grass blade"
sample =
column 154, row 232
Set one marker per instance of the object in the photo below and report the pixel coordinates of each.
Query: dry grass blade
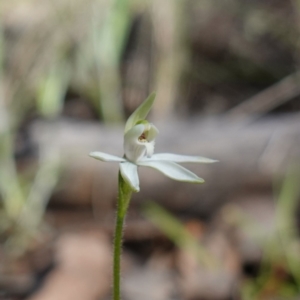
column 270, row 98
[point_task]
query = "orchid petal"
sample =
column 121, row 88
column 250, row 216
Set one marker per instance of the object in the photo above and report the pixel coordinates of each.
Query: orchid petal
column 152, row 133
column 134, row 133
column 149, row 149
column 181, row 158
column 140, row 113
column 106, row 157
column 130, row 175
column 172, row 170
column 134, row 150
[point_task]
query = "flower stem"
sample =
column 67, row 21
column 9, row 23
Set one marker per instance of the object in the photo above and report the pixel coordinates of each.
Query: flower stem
column 122, row 206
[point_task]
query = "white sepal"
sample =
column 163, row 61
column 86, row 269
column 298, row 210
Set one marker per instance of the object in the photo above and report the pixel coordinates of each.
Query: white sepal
column 106, row 157
column 181, row 158
column 172, row 170
column 130, row 175
column 140, row 113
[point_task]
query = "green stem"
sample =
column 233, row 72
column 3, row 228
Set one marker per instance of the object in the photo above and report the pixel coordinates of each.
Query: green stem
column 123, row 203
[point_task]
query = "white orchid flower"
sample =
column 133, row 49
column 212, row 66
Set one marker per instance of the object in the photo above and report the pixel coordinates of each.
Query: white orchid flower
column 139, row 140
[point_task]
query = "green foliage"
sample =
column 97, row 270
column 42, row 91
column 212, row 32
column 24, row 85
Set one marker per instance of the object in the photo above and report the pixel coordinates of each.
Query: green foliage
column 280, row 268
column 177, row 233
column 23, row 201
column 52, row 90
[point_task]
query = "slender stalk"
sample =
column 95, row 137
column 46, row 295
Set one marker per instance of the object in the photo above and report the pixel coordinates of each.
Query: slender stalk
column 122, row 206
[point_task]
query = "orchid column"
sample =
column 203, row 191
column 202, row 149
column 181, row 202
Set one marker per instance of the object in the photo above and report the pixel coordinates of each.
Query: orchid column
column 139, row 138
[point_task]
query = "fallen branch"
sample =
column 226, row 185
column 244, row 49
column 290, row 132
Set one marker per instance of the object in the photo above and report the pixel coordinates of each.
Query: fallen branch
column 250, row 157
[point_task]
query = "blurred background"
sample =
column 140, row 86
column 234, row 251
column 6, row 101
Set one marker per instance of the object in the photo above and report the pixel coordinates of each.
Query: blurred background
column 227, row 83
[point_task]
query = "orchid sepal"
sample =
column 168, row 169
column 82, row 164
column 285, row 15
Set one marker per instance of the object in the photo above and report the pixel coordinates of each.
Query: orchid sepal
column 140, row 113
column 106, row 157
column 178, row 158
column 172, row 170
column 130, row 175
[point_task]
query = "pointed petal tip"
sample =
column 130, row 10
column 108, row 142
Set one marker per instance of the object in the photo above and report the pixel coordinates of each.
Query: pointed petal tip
column 212, row 161
column 92, row 154
column 200, row 180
